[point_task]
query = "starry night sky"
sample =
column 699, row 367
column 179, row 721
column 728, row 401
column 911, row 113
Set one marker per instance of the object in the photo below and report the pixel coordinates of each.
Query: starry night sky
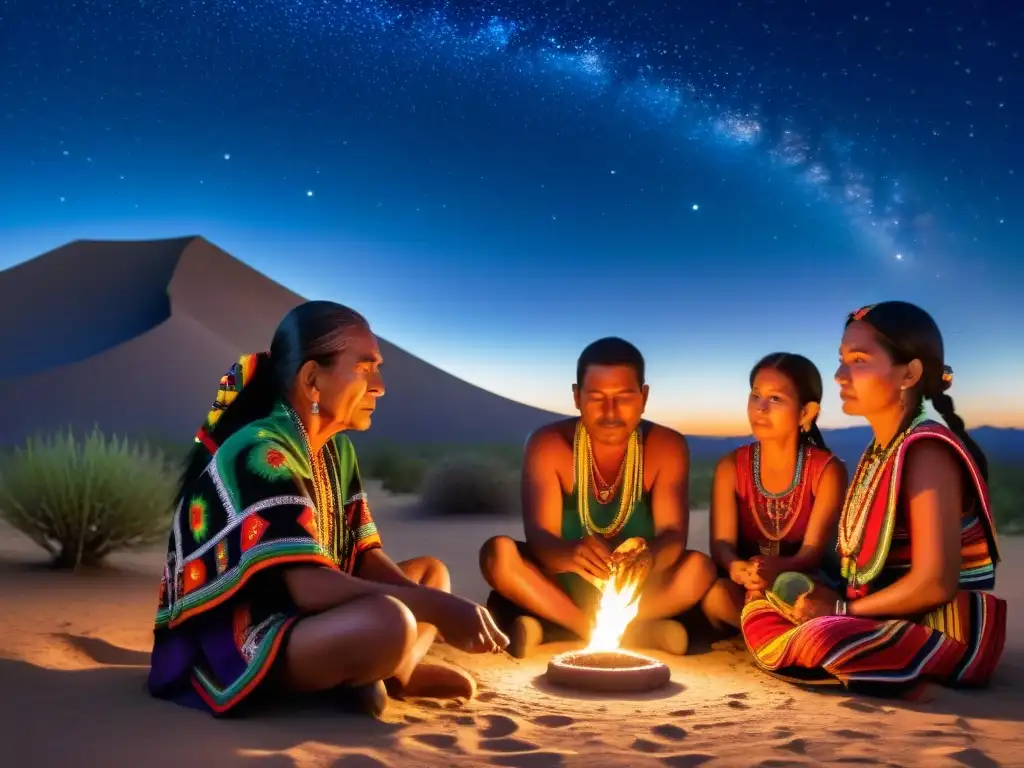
column 495, row 186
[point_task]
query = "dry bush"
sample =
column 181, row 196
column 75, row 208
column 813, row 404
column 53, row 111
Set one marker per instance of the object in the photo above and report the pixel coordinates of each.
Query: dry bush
column 398, row 471
column 470, row 486
column 82, row 500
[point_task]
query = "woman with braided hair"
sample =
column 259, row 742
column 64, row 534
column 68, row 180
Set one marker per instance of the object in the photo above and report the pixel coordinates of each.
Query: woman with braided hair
column 916, row 535
column 275, row 580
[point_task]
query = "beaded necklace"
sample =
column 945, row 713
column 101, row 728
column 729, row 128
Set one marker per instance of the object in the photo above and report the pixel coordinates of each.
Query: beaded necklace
column 860, row 497
column 631, row 475
column 323, row 491
column 778, row 510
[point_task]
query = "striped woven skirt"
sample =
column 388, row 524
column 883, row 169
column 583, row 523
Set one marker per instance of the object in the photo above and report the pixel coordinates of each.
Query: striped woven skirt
column 959, row 645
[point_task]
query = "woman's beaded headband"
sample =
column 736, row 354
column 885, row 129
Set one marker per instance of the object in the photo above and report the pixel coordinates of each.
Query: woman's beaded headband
column 860, row 314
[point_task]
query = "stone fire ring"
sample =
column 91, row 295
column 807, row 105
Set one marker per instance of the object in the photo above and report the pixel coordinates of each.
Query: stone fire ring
column 608, row 671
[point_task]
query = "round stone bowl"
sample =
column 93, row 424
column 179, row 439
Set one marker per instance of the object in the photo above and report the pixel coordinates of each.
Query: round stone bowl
column 618, row 671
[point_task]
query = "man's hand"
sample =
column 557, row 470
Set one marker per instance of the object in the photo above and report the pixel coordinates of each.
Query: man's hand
column 591, row 559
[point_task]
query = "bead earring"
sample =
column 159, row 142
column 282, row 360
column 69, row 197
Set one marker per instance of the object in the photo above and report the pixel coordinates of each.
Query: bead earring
column 316, row 407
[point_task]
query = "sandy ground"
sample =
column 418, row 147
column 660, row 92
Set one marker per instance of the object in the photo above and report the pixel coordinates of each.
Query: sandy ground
column 74, row 653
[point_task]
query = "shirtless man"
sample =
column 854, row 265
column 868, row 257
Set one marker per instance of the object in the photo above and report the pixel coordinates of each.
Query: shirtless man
column 551, row 575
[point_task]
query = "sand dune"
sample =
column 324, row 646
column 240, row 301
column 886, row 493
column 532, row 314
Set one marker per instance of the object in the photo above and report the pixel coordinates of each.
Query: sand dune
column 135, row 335
column 74, row 649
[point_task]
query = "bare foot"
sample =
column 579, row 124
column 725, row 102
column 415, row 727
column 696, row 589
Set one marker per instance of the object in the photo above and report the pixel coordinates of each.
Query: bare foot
column 527, row 634
column 371, row 699
column 662, row 634
column 437, row 681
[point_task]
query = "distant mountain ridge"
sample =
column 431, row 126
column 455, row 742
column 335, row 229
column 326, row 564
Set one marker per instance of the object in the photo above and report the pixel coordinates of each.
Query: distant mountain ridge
column 999, row 443
column 135, row 335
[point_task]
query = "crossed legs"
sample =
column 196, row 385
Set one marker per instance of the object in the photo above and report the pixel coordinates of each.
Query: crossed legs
column 723, row 604
column 372, row 639
column 675, row 586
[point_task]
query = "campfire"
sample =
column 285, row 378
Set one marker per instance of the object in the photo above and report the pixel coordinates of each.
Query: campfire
column 604, row 665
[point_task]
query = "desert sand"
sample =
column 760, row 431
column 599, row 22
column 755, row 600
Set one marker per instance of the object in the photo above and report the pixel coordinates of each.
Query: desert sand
column 74, row 653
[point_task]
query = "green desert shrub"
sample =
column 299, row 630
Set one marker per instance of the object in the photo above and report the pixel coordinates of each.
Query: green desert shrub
column 701, row 476
column 470, row 486
column 80, row 500
column 404, row 468
column 1006, row 492
column 399, row 471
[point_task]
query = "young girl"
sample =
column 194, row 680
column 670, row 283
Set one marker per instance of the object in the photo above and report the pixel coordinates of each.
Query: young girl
column 916, row 535
column 775, row 501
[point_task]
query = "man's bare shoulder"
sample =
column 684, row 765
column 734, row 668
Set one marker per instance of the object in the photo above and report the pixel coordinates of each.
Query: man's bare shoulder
column 665, row 442
column 551, row 439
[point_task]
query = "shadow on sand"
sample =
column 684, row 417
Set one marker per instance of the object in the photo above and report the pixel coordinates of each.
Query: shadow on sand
column 1002, row 696
column 105, row 653
column 104, row 717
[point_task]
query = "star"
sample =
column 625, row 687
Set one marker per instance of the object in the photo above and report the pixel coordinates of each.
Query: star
column 695, row 207
column 227, row 155
column 309, row 193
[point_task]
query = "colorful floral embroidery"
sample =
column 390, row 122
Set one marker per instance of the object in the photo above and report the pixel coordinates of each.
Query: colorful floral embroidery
column 269, row 462
column 197, row 521
column 221, row 555
column 307, row 519
column 195, row 575
column 252, row 531
column 241, row 624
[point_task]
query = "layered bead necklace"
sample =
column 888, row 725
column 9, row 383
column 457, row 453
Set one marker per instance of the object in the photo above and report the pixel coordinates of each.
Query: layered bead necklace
column 323, row 491
column 860, row 498
column 775, row 513
column 631, row 478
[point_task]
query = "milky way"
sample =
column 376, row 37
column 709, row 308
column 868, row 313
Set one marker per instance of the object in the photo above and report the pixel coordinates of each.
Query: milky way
column 688, row 87
column 518, row 164
column 688, row 103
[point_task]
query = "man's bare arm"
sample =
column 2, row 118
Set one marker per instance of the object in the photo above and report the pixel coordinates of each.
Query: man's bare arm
column 670, row 494
column 542, row 501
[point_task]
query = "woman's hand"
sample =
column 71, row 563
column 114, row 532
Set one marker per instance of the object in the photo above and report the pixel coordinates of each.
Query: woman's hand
column 746, row 574
column 741, row 572
column 766, row 570
column 815, row 604
column 463, row 624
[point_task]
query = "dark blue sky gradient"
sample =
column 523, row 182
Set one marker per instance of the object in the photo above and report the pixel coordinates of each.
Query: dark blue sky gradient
column 496, row 186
